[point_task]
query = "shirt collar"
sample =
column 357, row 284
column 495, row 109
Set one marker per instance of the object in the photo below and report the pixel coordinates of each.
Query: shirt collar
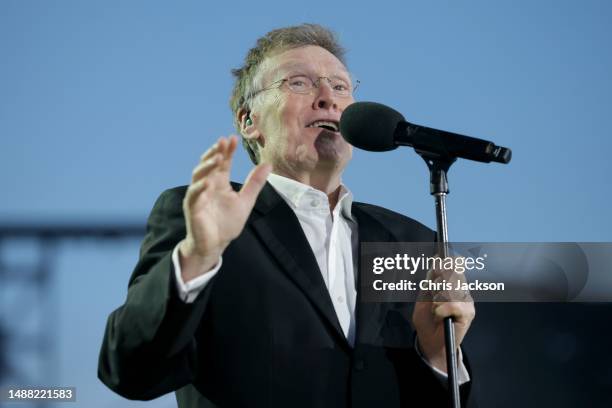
column 301, row 196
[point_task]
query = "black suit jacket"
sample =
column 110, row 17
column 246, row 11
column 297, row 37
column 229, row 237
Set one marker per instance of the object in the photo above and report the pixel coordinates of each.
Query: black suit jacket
column 263, row 333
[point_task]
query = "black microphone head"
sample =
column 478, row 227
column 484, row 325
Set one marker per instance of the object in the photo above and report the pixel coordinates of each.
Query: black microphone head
column 370, row 126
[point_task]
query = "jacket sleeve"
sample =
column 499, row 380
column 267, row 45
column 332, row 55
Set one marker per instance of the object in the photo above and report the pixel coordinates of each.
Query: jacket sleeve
column 149, row 348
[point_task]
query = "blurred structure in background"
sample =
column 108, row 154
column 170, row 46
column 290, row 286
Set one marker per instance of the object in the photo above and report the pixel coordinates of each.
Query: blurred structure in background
column 29, row 314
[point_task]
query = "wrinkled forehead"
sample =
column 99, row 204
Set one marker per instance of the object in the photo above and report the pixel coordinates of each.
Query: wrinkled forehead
column 311, row 60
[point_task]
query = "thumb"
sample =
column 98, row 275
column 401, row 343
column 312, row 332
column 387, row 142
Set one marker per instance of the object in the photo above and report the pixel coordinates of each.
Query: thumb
column 255, row 182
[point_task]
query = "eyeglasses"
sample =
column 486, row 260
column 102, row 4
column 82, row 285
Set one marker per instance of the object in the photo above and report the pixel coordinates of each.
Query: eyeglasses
column 303, row 84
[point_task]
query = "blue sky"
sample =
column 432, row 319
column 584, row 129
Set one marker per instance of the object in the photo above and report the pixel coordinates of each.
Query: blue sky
column 103, row 105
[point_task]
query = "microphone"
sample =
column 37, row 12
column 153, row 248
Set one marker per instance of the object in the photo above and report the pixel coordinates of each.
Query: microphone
column 379, row 128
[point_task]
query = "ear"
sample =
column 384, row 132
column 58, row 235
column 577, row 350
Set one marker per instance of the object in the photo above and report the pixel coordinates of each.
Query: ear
column 249, row 125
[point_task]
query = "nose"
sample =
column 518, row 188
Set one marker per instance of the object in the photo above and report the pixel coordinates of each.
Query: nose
column 325, row 98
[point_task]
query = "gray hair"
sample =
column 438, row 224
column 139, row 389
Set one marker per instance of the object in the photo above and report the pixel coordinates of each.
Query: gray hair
column 273, row 43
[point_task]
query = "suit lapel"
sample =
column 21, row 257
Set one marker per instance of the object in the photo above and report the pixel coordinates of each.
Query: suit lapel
column 370, row 316
column 281, row 232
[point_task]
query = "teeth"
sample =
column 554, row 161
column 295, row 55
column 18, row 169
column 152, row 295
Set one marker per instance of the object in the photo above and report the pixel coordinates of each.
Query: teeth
column 324, row 124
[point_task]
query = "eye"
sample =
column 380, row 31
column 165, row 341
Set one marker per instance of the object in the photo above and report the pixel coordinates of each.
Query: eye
column 299, row 83
column 341, row 86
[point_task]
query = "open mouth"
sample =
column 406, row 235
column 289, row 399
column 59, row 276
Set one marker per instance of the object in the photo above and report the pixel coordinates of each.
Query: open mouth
column 325, row 124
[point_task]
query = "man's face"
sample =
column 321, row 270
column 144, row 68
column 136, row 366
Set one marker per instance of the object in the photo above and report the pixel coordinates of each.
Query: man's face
column 293, row 140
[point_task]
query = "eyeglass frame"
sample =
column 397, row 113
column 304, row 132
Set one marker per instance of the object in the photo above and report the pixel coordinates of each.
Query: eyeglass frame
column 315, row 84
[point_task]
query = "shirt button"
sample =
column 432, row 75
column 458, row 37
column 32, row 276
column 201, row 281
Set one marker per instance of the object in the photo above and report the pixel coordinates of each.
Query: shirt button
column 314, row 203
column 340, row 299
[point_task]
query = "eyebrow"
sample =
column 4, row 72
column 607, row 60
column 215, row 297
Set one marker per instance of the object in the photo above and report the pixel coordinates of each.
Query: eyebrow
column 300, row 67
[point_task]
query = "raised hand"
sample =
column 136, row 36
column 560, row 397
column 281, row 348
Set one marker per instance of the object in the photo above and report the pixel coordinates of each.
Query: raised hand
column 215, row 214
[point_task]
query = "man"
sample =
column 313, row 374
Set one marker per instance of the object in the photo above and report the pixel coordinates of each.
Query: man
column 246, row 295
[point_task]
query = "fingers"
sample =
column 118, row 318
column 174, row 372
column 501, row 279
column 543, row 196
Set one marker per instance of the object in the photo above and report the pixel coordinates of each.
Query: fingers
column 443, row 270
column 453, row 300
column 211, row 150
column 255, row 182
column 220, row 146
column 217, row 157
column 229, row 147
column 450, row 286
column 193, row 192
column 462, row 312
column 206, row 167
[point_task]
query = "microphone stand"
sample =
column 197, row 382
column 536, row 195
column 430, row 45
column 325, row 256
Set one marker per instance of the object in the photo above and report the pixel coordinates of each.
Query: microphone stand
column 438, row 167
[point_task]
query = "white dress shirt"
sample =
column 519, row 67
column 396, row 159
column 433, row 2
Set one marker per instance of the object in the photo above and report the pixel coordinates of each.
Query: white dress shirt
column 334, row 242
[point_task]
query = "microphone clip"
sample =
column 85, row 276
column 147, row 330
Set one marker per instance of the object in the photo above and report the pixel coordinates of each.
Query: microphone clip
column 438, row 168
